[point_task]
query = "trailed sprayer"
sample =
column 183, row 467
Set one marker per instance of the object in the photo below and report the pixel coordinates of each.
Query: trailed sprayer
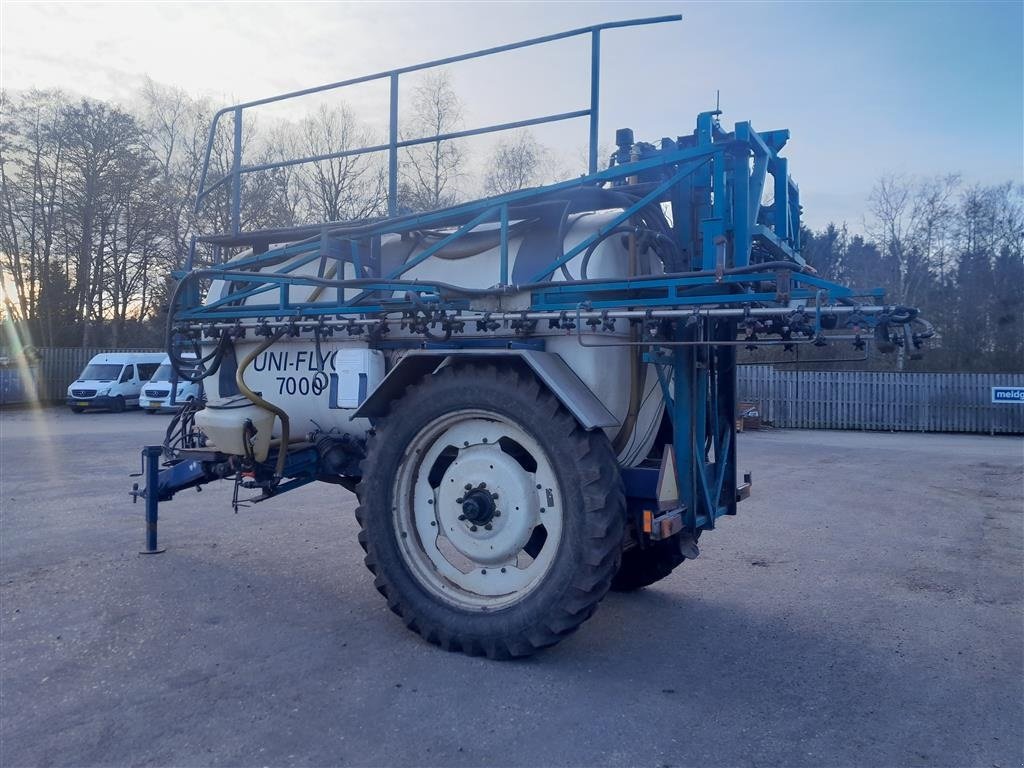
column 532, row 395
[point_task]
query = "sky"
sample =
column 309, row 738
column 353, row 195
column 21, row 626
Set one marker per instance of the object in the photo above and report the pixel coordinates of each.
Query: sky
column 866, row 89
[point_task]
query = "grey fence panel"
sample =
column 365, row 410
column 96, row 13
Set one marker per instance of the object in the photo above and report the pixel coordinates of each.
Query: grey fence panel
column 882, row 400
column 870, row 400
column 16, row 386
column 49, row 377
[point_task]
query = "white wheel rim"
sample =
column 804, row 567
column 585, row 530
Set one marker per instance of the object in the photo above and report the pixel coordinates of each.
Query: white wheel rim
column 502, row 550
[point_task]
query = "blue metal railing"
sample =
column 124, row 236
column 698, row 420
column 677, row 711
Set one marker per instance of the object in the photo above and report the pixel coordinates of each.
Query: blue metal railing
column 721, row 175
column 234, row 178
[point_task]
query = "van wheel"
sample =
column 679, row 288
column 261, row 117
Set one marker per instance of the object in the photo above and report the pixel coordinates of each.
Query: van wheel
column 491, row 520
column 118, row 406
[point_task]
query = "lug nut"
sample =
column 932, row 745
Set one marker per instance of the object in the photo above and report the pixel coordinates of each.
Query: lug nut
column 482, row 485
column 462, row 517
column 494, row 496
column 459, row 500
column 487, row 527
column 472, row 527
column 469, row 486
column 497, row 513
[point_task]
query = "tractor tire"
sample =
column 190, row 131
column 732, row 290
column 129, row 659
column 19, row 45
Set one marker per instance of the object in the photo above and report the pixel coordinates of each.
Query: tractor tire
column 492, row 521
column 642, row 567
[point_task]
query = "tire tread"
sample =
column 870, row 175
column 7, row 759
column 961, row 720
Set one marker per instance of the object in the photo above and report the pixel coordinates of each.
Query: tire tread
column 604, row 503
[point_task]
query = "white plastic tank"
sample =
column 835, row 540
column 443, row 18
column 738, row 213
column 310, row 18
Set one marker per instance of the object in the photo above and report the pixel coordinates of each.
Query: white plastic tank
column 323, row 393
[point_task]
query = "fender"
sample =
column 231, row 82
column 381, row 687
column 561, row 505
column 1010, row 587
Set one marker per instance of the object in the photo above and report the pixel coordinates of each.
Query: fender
column 550, row 368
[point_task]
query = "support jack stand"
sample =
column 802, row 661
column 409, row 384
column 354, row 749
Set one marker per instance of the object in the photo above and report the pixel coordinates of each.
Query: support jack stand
column 151, row 455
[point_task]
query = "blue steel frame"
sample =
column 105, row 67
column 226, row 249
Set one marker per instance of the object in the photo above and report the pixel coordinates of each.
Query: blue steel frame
column 739, row 254
column 735, row 165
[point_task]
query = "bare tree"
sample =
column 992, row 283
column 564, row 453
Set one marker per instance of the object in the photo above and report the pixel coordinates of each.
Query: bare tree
column 137, row 243
column 932, row 216
column 431, row 172
column 31, row 153
column 343, row 188
column 174, row 125
column 579, row 163
column 909, row 220
column 514, row 164
column 100, row 141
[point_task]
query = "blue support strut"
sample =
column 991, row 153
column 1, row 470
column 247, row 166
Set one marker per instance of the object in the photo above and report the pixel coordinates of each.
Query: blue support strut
column 151, row 454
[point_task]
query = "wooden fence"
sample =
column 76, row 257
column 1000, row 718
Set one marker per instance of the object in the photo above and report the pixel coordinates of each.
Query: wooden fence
column 875, row 400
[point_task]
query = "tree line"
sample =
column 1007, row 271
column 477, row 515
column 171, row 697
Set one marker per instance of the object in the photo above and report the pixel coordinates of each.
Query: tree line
column 955, row 251
column 96, row 211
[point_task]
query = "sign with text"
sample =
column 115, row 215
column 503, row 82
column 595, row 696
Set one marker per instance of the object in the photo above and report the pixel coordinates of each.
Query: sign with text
column 1008, row 394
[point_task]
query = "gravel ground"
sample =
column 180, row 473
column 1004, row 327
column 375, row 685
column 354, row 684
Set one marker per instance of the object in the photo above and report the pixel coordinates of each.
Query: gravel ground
column 864, row 608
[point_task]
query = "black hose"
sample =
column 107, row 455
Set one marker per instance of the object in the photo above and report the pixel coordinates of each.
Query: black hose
column 192, row 370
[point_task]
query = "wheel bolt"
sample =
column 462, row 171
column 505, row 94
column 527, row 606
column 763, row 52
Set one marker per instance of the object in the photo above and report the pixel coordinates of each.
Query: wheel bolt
column 487, row 527
column 469, row 486
column 462, row 517
column 482, row 485
column 494, row 496
column 458, row 500
column 472, row 527
column 497, row 513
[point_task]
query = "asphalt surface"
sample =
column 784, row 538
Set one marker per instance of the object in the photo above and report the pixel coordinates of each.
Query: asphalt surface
column 864, row 608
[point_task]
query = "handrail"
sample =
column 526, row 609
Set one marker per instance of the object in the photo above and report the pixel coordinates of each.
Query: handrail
column 393, row 144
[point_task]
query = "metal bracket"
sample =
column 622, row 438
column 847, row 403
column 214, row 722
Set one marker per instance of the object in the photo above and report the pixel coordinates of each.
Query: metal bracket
column 743, row 489
column 665, row 525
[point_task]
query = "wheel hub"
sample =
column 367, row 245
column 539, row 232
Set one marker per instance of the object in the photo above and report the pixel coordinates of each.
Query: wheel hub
column 486, row 529
column 478, row 507
column 472, row 502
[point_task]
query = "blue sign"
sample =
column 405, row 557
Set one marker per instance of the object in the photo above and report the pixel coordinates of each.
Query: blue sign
column 1008, row 394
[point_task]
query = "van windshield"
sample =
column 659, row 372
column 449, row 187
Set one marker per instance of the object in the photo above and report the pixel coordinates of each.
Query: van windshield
column 164, row 372
column 100, row 372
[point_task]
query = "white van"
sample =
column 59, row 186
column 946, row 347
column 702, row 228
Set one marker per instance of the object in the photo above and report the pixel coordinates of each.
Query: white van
column 113, row 380
column 156, row 393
